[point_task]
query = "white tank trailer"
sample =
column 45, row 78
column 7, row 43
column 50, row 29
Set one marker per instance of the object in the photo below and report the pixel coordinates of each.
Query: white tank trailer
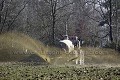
column 68, row 45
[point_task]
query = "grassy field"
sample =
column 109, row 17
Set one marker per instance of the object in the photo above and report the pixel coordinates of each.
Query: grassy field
column 49, row 72
column 92, row 56
column 100, row 64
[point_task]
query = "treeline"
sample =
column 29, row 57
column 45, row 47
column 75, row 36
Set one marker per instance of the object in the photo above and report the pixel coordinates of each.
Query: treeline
column 97, row 22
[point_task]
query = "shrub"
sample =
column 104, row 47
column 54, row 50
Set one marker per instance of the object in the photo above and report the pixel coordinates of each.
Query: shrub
column 110, row 45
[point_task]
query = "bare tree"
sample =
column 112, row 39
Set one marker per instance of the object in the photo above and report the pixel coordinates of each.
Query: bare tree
column 9, row 12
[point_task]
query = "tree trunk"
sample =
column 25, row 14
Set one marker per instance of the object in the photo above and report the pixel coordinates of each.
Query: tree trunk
column 53, row 4
column 110, row 23
column 117, row 28
column 1, row 8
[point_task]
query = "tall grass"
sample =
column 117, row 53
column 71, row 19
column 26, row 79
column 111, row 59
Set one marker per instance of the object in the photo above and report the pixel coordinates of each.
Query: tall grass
column 101, row 56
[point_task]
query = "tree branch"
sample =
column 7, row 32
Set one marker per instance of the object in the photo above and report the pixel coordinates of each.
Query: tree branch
column 16, row 17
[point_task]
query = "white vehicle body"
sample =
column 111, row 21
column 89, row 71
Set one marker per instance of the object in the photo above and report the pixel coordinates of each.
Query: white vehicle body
column 69, row 45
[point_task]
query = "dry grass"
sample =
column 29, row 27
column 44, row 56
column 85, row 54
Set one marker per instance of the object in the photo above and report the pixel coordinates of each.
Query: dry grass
column 17, row 46
column 93, row 56
column 101, row 56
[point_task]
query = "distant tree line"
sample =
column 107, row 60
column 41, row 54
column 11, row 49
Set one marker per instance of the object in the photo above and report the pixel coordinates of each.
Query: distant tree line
column 94, row 21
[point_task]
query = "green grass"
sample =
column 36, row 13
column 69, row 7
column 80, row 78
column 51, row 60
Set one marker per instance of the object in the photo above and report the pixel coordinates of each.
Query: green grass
column 100, row 64
column 25, row 72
